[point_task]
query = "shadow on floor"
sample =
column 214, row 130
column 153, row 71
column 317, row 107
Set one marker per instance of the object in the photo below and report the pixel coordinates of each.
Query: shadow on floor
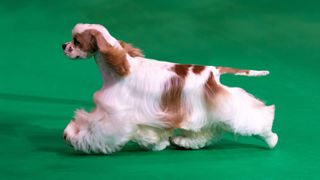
column 41, row 99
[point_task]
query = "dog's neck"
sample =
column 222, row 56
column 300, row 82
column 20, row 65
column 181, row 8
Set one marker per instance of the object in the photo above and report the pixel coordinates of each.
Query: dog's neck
column 109, row 77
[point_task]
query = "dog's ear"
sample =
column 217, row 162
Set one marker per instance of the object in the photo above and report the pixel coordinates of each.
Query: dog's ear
column 132, row 51
column 101, row 44
column 116, row 58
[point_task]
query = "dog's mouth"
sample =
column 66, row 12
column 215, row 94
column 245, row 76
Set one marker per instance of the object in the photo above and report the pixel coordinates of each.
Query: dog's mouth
column 66, row 53
column 74, row 58
column 71, row 58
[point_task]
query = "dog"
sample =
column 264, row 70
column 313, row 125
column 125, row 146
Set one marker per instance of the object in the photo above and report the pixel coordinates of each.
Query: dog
column 156, row 103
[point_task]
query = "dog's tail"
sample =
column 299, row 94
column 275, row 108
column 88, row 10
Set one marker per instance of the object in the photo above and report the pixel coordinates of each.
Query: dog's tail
column 241, row 72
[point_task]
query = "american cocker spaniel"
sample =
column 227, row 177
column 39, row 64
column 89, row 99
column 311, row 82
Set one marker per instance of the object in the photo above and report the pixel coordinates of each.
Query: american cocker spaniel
column 145, row 100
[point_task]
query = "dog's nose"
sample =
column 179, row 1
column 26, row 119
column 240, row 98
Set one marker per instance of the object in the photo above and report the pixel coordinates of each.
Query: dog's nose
column 64, row 46
column 67, row 141
column 65, row 136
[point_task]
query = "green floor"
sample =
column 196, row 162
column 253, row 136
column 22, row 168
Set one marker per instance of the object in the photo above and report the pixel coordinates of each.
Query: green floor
column 40, row 88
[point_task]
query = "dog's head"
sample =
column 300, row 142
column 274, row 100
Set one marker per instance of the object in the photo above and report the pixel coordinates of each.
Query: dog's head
column 87, row 40
column 91, row 38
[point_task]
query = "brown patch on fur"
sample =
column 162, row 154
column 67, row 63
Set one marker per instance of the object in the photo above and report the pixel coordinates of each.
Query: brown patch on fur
column 229, row 70
column 181, row 69
column 172, row 102
column 115, row 57
column 132, row 51
column 197, row 69
column 213, row 92
column 117, row 60
column 211, row 86
column 86, row 41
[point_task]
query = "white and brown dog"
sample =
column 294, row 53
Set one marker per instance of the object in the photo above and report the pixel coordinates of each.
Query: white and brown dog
column 145, row 100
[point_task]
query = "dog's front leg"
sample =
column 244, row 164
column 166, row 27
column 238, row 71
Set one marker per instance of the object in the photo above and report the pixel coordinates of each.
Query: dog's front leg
column 96, row 132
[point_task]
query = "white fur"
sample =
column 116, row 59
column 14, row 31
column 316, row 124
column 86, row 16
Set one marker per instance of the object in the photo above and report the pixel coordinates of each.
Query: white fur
column 253, row 73
column 128, row 108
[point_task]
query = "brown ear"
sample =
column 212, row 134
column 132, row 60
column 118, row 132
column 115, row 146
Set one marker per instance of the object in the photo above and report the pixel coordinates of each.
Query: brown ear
column 132, row 51
column 114, row 57
column 101, row 43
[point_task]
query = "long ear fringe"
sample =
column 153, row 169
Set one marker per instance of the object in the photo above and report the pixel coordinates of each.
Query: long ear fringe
column 132, row 51
column 114, row 57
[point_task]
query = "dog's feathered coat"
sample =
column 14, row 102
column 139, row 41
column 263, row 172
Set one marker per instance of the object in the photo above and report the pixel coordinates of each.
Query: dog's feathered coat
column 144, row 100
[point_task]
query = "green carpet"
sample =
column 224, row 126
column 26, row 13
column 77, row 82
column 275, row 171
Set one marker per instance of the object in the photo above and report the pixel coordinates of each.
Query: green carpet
column 40, row 88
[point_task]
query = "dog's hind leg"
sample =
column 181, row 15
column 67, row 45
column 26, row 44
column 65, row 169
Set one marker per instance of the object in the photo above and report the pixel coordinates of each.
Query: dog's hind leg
column 270, row 138
column 251, row 116
column 151, row 138
column 196, row 140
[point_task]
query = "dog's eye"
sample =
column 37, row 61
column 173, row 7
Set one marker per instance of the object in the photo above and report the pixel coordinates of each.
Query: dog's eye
column 76, row 42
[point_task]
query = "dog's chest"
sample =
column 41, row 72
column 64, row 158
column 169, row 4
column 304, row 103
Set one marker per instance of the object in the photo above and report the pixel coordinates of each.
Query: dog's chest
column 100, row 97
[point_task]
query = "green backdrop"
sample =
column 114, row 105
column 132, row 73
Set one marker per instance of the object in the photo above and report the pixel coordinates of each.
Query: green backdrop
column 40, row 88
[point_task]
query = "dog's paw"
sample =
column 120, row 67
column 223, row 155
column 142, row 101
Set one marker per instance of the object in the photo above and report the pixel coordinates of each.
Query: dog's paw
column 186, row 143
column 272, row 140
column 161, row 146
column 71, row 130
